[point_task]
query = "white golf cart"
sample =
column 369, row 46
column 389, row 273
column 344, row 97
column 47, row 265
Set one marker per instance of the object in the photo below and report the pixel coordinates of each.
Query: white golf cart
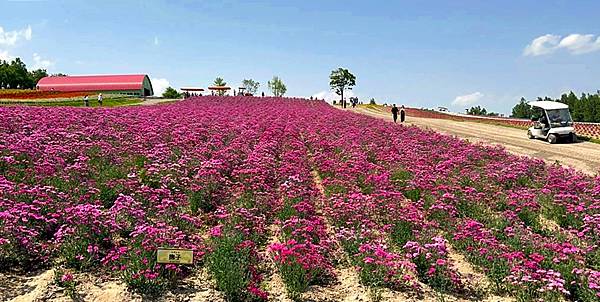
column 552, row 121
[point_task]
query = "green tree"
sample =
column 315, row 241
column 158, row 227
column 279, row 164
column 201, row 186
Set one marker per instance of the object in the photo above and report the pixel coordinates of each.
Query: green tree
column 4, row 76
column 522, row 110
column 589, row 110
column 14, row 74
column 36, row 75
column 277, row 86
column 171, row 93
column 477, row 110
column 18, row 77
column 251, row 86
column 219, row 82
column 372, row 101
column 340, row 80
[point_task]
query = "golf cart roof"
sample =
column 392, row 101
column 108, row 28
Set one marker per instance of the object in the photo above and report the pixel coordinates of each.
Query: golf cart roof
column 549, row 105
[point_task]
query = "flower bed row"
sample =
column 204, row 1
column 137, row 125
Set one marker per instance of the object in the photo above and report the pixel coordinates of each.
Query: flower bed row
column 24, row 94
column 304, row 253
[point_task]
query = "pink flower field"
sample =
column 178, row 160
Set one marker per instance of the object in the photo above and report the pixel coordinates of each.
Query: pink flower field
column 258, row 187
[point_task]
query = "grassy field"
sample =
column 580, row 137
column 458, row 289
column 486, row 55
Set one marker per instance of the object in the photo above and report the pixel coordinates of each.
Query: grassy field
column 73, row 102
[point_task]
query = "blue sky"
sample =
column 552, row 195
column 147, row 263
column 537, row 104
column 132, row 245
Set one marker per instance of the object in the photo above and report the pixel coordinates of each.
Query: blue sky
column 420, row 53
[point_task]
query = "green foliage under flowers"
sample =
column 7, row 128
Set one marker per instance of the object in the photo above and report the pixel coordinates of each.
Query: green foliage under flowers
column 228, row 263
column 496, row 269
column 201, row 200
column 81, row 250
column 334, row 189
column 152, row 284
column 558, row 213
column 372, row 275
column 294, row 277
column 288, row 210
column 365, row 187
column 413, row 194
column 66, row 280
column 402, row 232
column 436, row 280
column 401, row 178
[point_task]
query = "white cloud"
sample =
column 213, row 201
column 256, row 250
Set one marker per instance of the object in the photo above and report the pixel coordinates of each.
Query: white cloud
column 159, row 85
column 574, row 43
column 156, row 41
column 580, row 44
column 10, row 38
column 4, row 55
column 469, row 99
column 39, row 63
column 330, row 96
column 542, row 45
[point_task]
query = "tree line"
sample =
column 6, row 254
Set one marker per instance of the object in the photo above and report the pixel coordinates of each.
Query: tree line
column 480, row 111
column 14, row 75
column 250, row 86
column 583, row 109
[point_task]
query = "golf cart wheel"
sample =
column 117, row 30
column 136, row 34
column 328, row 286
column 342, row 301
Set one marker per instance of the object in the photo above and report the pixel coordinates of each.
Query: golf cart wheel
column 573, row 138
column 529, row 135
column 552, row 139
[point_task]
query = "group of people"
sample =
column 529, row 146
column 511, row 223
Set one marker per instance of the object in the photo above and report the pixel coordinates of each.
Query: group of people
column 187, row 94
column 86, row 100
column 395, row 111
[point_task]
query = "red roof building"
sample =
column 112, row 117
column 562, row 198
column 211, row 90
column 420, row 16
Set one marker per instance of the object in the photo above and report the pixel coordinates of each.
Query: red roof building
column 136, row 84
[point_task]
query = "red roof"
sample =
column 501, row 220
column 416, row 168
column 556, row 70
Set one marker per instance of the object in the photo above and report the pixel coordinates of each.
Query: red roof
column 92, row 83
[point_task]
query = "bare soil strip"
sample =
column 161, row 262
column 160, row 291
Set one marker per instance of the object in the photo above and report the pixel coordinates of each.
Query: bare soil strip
column 584, row 156
column 275, row 286
column 347, row 287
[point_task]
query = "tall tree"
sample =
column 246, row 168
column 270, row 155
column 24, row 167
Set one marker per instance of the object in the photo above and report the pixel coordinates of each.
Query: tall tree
column 251, row 86
column 522, row 110
column 478, row 110
column 219, row 82
column 171, row 93
column 340, row 80
column 18, row 75
column 277, row 86
column 36, row 76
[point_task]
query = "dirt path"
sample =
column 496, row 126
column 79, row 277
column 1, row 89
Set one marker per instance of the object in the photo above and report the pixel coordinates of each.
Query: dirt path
column 584, row 156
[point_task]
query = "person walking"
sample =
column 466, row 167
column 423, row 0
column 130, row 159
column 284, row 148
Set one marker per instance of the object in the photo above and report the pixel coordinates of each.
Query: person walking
column 395, row 113
column 86, row 101
column 100, row 99
column 402, row 114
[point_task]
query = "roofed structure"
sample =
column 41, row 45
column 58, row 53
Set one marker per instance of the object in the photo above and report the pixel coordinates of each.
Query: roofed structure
column 136, row 84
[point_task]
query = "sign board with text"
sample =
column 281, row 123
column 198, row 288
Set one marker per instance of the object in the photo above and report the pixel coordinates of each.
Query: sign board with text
column 174, row 256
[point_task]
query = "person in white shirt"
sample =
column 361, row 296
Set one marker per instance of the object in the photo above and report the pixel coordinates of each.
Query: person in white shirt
column 100, row 99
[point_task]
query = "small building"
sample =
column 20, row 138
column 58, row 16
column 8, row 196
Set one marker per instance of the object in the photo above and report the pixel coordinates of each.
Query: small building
column 135, row 84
